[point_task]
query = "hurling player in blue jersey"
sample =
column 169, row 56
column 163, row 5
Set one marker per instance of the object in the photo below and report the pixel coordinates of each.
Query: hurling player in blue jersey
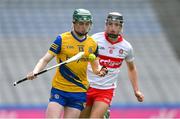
column 69, row 84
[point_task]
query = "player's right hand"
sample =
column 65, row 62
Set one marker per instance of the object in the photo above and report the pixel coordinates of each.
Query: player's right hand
column 31, row 76
column 103, row 71
column 139, row 96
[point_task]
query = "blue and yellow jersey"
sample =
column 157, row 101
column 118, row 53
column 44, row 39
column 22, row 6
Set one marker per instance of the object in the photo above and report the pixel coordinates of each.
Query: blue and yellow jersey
column 71, row 77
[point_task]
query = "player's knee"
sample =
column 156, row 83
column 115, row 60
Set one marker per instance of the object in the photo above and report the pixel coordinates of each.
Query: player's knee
column 98, row 114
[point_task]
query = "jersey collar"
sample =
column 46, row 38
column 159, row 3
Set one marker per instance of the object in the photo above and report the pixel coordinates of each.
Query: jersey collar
column 80, row 40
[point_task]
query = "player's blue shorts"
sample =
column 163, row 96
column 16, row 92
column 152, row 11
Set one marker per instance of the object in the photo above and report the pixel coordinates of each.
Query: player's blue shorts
column 68, row 99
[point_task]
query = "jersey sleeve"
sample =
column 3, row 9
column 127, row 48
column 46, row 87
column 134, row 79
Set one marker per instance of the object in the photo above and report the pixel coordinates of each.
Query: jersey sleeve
column 97, row 48
column 55, row 47
column 130, row 54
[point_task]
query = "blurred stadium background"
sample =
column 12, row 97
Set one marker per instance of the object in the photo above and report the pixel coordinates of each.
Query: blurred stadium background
column 28, row 27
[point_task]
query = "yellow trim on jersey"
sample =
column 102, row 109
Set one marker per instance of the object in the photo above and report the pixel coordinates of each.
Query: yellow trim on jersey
column 51, row 52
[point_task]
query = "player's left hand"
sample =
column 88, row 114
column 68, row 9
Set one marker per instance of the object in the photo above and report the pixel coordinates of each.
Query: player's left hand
column 139, row 96
column 103, row 71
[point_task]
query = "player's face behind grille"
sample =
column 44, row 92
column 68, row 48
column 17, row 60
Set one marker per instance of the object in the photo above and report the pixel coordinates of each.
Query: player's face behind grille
column 113, row 28
column 82, row 27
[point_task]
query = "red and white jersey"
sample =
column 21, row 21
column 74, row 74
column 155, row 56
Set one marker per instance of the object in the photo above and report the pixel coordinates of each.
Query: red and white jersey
column 111, row 55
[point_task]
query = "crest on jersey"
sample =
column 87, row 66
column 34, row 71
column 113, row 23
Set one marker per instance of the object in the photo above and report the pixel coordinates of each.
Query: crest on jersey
column 81, row 48
column 111, row 49
column 121, row 51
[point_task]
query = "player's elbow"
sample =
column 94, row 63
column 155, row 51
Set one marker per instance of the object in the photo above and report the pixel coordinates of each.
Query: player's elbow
column 43, row 61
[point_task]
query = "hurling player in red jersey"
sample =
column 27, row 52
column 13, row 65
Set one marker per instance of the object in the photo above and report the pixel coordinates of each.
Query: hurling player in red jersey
column 113, row 50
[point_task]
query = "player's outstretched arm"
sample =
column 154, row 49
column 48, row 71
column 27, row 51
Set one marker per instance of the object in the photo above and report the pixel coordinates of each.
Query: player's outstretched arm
column 40, row 65
column 132, row 73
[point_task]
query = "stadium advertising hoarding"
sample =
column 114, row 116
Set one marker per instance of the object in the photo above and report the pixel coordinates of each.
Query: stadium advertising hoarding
column 116, row 112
